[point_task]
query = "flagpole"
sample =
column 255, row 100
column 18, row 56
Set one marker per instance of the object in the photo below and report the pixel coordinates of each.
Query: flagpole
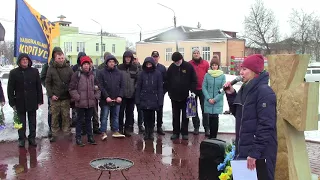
column 15, row 30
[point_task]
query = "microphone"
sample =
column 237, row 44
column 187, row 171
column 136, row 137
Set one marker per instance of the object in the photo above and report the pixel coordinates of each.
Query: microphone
column 235, row 81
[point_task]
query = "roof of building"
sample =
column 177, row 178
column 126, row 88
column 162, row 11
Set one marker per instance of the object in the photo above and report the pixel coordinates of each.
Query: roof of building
column 189, row 33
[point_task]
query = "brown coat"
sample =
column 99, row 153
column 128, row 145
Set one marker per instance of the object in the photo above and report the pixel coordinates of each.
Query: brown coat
column 84, row 89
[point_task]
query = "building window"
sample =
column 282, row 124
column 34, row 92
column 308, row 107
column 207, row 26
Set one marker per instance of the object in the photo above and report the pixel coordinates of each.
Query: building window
column 67, row 47
column 113, row 48
column 181, row 51
column 103, row 47
column 81, row 47
column 206, row 53
column 168, row 54
column 97, row 47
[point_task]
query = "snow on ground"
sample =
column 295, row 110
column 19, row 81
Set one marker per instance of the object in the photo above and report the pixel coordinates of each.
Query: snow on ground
column 226, row 122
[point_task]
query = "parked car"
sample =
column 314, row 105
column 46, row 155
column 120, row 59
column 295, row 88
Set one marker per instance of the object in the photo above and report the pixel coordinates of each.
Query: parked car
column 313, row 74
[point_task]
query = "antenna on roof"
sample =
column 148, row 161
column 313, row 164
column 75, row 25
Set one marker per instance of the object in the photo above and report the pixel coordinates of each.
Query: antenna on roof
column 199, row 25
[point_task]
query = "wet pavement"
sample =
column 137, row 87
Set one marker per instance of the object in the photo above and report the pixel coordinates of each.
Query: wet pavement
column 160, row 159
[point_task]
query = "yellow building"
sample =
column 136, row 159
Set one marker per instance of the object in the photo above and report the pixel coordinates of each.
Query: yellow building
column 210, row 42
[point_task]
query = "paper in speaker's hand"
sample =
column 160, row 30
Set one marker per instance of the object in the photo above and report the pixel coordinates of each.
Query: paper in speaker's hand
column 241, row 172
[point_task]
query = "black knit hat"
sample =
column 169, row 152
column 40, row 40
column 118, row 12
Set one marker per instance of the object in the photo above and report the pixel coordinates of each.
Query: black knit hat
column 176, row 56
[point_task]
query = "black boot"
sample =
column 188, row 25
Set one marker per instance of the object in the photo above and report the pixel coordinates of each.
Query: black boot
column 150, row 132
column 49, row 134
column 160, row 131
column 91, row 140
column 146, row 134
column 32, row 142
column 207, row 131
column 141, row 129
column 21, row 143
column 127, row 132
column 97, row 131
column 79, row 142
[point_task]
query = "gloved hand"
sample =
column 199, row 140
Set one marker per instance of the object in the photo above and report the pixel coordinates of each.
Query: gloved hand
column 192, row 94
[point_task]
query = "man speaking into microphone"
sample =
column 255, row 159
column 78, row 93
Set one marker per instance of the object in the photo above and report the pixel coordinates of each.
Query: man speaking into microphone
column 254, row 108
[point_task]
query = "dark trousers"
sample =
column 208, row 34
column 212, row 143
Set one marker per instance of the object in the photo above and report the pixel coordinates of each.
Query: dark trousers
column 126, row 107
column 87, row 114
column 214, row 125
column 196, row 120
column 140, row 116
column 177, row 108
column 149, row 117
column 95, row 120
column 32, row 124
column 159, row 117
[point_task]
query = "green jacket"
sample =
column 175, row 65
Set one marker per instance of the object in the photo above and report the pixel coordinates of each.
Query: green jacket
column 57, row 80
column 212, row 83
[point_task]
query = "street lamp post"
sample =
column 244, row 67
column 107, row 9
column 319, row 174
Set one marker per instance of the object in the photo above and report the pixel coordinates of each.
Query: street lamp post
column 174, row 22
column 100, row 37
column 140, row 32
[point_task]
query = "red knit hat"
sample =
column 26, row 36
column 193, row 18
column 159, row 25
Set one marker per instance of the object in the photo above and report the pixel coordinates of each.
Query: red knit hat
column 85, row 59
column 254, row 62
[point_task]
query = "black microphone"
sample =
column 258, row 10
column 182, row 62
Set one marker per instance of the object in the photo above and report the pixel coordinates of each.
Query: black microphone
column 235, row 81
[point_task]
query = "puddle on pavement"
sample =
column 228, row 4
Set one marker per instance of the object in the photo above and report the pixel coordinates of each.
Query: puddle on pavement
column 13, row 166
column 167, row 152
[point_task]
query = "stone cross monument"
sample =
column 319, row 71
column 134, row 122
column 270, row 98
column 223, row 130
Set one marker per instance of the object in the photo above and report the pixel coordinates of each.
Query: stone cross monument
column 297, row 111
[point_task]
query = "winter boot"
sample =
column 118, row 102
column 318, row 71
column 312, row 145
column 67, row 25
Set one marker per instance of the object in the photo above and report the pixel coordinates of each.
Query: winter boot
column 79, row 142
column 127, row 132
column 146, row 134
column 160, row 131
column 196, row 131
column 207, row 131
column 32, row 142
column 21, row 143
column 91, row 140
column 141, row 129
column 151, row 136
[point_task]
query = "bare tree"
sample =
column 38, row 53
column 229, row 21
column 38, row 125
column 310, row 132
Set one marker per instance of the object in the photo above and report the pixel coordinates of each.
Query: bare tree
column 315, row 38
column 301, row 25
column 130, row 46
column 261, row 27
column 6, row 49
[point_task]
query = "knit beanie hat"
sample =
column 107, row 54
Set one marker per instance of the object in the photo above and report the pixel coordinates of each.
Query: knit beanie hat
column 85, row 59
column 176, row 56
column 215, row 60
column 254, row 62
column 195, row 49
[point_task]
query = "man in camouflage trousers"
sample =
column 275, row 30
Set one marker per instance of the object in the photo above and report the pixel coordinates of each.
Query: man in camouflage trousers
column 57, row 85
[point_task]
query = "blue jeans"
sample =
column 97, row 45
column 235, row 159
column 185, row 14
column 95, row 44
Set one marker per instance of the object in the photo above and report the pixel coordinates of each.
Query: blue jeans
column 114, row 115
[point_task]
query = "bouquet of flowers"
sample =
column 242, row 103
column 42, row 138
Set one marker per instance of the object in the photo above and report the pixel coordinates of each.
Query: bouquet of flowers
column 16, row 121
column 225, row 166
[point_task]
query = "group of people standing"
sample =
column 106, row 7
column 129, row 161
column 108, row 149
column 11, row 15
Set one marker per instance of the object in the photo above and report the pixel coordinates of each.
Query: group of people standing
column 118, row 88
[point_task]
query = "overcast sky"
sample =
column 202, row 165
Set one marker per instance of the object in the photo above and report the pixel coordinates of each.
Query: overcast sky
column 122, row 16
